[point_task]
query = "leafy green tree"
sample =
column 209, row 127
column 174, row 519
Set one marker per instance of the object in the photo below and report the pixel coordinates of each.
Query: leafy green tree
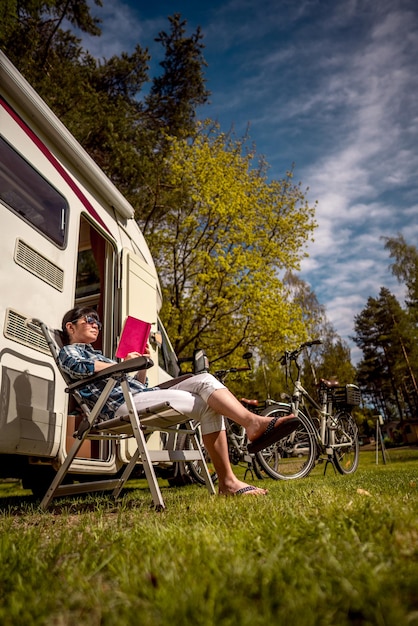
column 221, row 234
column 171, row 111
column 100, row 100
column 32, row 36
column 222, row 245
column 314, row 314
column 330, row 361
column 96, row 100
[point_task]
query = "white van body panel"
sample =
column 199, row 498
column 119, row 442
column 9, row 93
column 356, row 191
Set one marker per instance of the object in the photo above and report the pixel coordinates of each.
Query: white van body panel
column 43, row 278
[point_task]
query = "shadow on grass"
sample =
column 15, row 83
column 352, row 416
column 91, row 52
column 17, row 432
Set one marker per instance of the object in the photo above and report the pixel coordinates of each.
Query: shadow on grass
column 15, row 501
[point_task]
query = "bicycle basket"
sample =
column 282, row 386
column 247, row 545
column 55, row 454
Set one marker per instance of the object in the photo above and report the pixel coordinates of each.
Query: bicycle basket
column 349, row 395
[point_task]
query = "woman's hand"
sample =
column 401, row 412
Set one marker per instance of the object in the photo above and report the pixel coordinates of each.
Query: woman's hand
column 142, row 374
column 132, row 355
column 135, row 355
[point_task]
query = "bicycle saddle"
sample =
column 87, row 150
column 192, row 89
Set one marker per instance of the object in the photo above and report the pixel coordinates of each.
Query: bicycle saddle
column 250, row 402
column 329, row 383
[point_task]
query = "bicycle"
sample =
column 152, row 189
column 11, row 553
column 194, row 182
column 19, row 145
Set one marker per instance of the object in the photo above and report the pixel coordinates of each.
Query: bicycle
column 332, row 436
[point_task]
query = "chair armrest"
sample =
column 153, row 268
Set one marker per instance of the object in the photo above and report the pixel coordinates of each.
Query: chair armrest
column 139, row 363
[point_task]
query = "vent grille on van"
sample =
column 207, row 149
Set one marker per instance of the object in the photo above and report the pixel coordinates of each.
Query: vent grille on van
column 16, row 330
column 37, row 264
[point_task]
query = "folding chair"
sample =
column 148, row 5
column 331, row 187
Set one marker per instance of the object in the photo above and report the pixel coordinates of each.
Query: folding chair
column 119, row 429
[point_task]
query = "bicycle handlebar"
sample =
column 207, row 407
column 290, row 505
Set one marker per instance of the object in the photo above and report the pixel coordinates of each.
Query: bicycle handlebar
column 222, row 374
column 231, row 370
column 293, row 355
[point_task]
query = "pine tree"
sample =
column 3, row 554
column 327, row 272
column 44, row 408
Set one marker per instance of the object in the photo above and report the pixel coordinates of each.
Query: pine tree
column 176, row 94
column 383, row 332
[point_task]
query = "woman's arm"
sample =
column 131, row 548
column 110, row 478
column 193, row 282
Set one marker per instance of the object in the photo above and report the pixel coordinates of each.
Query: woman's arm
column 142, row 374
column 78, row 362
column 101, row 365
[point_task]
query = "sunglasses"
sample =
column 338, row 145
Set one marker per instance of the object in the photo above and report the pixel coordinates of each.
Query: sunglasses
column 89, row 319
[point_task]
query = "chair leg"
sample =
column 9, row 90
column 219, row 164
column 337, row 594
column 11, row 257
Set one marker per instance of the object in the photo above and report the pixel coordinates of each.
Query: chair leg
column 202, row 463
column 46, row 500
column 60, row 475
column 141, row 454
column 127, row 472
column 142, row 447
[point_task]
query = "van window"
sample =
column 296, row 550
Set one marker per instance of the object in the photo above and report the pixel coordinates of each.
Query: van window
column 25, row 192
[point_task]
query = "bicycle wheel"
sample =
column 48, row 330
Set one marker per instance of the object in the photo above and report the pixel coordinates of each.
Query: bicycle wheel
column 345, row 430
column 294, row 455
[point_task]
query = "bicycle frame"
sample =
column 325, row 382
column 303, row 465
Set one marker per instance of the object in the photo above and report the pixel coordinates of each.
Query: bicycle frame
column 324, row 433
column 329, row 415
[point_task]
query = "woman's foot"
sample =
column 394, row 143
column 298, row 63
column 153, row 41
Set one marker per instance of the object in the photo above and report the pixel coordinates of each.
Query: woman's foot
column 239, row 488
column 258, row 426
column 278, row 428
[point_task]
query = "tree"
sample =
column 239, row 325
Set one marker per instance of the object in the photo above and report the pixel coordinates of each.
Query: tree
column 314, row 315
column 31, row 33
column 331, row 359
column 221, row 234
column 100, row 100
column 170, row 111
column 405, row 268
column 222, row 245
column 96, row 100
column 176, row 94
column 383, row 332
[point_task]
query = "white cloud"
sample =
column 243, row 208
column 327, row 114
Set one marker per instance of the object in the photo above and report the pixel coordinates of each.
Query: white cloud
column 375, row 156
column 123, row 27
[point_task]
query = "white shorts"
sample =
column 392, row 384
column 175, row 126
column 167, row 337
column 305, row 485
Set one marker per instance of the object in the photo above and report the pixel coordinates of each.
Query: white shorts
column 188, row 397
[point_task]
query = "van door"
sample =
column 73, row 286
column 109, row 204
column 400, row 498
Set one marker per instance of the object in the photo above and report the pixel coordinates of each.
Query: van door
column 139, row 288
column 96, row 280
column 139, row 299
column 95, row 287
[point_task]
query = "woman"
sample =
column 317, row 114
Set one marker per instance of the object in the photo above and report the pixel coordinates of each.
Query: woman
column 201, row 397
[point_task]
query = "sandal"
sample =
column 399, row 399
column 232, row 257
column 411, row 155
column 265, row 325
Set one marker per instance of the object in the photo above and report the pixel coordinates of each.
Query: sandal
column 246, row 490
column 272, row 435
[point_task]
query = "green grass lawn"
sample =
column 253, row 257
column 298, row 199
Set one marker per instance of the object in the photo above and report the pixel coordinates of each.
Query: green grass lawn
column 325, row 550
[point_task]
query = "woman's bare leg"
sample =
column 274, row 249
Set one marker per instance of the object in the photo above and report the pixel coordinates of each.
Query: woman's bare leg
column 217, row 447
column 225, row 403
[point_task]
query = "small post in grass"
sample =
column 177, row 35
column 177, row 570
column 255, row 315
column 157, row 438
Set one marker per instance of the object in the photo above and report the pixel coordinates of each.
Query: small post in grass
column 379, row 436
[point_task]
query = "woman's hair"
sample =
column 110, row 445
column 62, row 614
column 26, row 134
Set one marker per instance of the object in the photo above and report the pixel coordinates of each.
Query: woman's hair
column 71, row 316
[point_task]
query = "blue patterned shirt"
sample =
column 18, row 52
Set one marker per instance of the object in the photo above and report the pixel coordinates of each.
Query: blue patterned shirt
column 77, row 361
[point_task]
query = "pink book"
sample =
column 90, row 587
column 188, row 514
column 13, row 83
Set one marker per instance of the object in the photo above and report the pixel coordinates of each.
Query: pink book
column 134, row 337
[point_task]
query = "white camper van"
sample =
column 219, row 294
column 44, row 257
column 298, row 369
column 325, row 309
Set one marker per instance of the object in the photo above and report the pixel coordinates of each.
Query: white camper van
column 67, row 237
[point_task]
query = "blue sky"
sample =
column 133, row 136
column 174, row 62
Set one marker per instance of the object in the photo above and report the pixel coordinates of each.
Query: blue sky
column 329, row 85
